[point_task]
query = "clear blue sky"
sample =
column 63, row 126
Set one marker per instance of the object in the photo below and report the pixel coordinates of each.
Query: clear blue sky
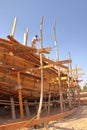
column 71, row 18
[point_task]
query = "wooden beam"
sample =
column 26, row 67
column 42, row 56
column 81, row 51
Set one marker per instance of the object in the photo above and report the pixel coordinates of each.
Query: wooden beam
column 13, row 108
column 43, row 67
column 72, row 70
column 47, row 66
column 41, row 63
column 44, row 50
column 63, row 66
column 49, row 101
column 62, row 62
column 26, row 108
column 20, row 98
column 14, row 27
column 19, row 125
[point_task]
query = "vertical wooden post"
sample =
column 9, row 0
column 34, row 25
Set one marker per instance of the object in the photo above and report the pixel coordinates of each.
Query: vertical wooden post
column 41, row 63
column 79, row 95
column 78, row 89
column 25, row 37
column 26, row 108
column 36, row 105
column 20, row 98
column 69, row 81
column 74, row 96
column 12, row 108
column 14, row 27
column 58, row 68
column 49, row 103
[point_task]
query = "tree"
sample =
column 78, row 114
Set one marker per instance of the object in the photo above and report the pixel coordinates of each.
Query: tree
column 85, row 88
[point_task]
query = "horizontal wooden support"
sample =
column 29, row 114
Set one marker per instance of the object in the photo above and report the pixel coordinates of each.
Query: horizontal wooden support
column 77, row 75
column 44, row 67
column 72, row 70
column 63, row 66
column 47, row 66
column 62, row 62
column 63, row 78
column 32, row 122
column 44, row 50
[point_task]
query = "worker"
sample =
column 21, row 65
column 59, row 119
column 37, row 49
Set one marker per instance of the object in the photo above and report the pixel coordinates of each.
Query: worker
column 34, row 40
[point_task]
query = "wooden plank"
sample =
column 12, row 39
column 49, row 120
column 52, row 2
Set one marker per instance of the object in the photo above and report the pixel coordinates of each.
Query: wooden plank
column 14, row 61
column 72, row 70
column 47, row 66
column 12, row 79
column 63, row 66
column 43, row 67
column 14, row 45
column 44, row 50
column 19, row 125
column 62, row 62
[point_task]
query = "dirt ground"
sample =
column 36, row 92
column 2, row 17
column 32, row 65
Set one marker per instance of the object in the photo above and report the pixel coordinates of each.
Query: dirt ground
column 77, row 121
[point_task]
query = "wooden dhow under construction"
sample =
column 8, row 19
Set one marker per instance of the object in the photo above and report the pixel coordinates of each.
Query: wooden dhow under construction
column 32, row 83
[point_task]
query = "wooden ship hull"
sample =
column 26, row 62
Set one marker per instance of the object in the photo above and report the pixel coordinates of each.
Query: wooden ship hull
column 28, row 78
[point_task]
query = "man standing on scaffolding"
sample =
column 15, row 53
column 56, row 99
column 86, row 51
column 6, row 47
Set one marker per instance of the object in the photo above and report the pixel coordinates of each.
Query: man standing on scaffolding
column 34, row 40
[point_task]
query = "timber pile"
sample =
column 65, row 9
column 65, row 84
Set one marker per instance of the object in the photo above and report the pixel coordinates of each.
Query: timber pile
column 27, row 76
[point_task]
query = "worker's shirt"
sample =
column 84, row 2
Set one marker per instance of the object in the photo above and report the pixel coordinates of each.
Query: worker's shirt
column 34, row 40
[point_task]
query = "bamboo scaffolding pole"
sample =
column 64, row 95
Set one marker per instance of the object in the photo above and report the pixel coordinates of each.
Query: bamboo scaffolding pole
column 41, row 63
column 58, row 68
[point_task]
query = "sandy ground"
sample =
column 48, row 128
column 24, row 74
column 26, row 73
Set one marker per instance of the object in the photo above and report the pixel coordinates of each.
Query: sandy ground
column 77, row 121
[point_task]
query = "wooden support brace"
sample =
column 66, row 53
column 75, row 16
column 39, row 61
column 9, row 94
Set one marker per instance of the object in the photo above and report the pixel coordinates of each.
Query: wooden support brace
column 63, row 62
column 49, row 104
column 44, row 50
column 20, row 99
column 27, row 112
column 13, row 108
column 43, row 67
